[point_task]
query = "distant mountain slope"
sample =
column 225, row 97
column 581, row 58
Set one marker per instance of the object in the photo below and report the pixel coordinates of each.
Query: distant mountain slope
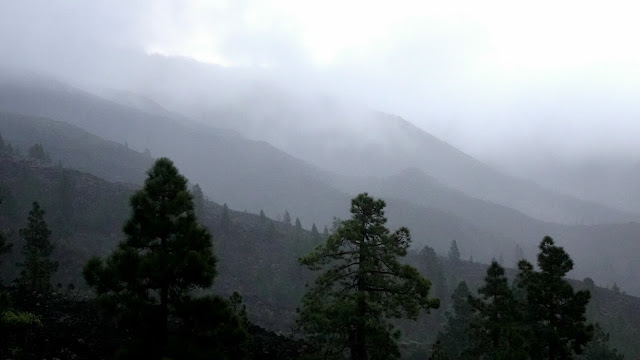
column 250, row 174
column 80, row 150
column 607, row 179
column 415, row 186
column 75, row 148
column 606, row 252
column 315, row 128
column 254, row 175
column 376, row 144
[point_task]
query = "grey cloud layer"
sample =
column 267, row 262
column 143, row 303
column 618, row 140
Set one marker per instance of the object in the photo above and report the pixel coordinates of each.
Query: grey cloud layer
column 432, row 74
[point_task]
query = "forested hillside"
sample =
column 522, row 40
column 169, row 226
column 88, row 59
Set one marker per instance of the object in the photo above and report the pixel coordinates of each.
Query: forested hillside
column 257, row 255
column 255, row 176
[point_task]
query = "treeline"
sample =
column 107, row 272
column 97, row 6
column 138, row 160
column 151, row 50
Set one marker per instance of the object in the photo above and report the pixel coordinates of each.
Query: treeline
column 154, row 298
column 537, row 316
column 35, row 152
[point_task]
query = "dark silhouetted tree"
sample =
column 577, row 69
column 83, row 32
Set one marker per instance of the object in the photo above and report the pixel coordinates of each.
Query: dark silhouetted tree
column 615, row 288
column 225, row 219
column 37, row 152
column 454, row 253
column 498, row 331
column 198, row 200
column 453, row 265
column 37, row 266
column 287, row 218
column 147, row 283
column 5, row 245
column 456, row 338
column 555, row 311
column 362, row 284
column 431, row 267
column 315, row 235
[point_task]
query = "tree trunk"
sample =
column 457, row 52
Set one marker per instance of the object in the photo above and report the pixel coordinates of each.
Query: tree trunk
column 358, row 349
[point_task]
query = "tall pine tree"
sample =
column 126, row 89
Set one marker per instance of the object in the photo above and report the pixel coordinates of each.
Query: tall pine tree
column 498, row 331
column 37, row 266
column 456, row 339
column 345, row 313
column 148, row 282
column 555, row 311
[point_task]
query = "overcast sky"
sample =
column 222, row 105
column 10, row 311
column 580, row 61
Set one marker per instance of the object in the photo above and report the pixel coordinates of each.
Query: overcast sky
column 487, row 76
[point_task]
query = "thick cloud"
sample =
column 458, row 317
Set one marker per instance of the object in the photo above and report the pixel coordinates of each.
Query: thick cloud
column 490, row 77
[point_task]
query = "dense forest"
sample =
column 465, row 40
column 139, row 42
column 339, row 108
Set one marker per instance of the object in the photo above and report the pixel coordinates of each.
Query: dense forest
column 100, row 269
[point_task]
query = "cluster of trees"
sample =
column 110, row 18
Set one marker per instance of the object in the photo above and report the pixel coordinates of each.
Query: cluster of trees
column 35, row 152
column 155, row 289
column 538, row 316
column 34, row 280
column 346, row 312
column 7, row 147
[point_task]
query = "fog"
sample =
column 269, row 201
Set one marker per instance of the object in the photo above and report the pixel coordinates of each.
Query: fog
column 490, row 78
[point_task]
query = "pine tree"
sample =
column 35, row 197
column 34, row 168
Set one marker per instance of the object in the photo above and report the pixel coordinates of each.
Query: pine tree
column 499, row 331
column 315, row 235
column 198, row 200
column 453, row 265
column 37, row 152
column 225, row 219
column 454, row 253
column 37, row 266
column 5, row 245
column 430, row 266
column 298, row 225
column 615, row 288
column 362, row 285
column 456, row 339
column 287, row 218
column 555, row 311
column 146, row 285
